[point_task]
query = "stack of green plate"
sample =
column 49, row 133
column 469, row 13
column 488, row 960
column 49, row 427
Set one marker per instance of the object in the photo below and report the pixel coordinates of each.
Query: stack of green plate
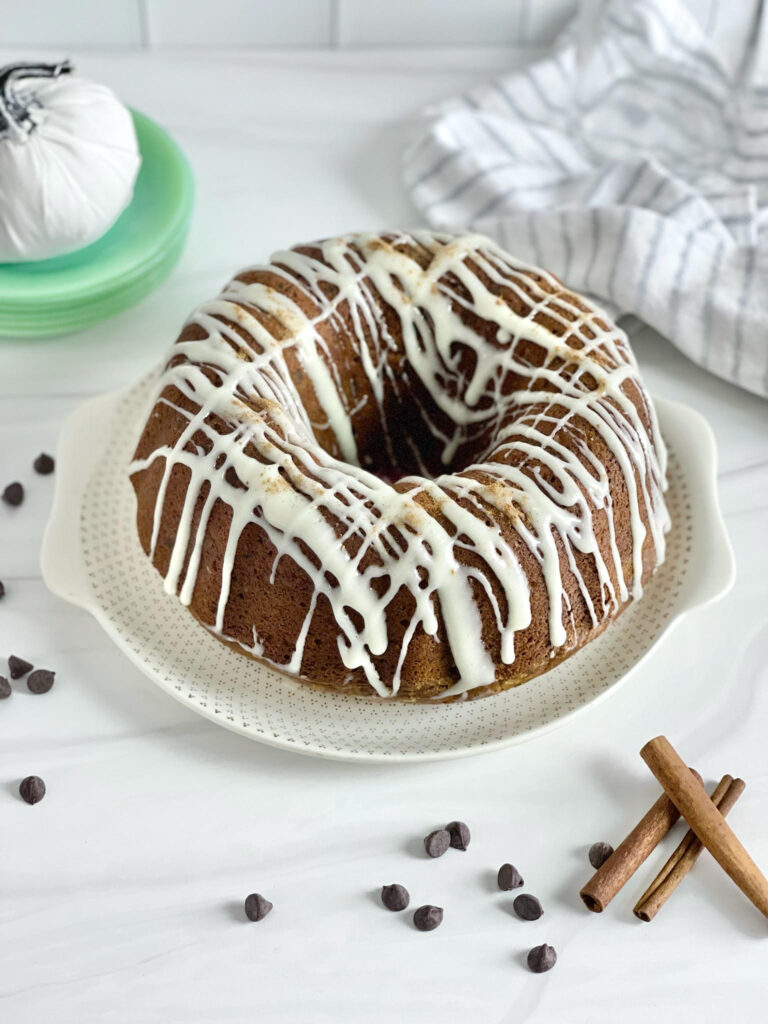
column 70, row 292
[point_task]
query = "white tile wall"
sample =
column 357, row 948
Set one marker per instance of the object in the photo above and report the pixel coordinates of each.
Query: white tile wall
column 71, row 23
column 267, row 23
column 547, row 19
column 430, row 22
column 239, row 23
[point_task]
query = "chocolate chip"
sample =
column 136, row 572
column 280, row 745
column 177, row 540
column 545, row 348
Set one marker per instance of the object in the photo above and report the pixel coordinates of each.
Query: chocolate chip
column 43, row 464
column 40, row 681
column 527, row 907
column 542, row 958
column 5, row 688
column 395, row 897
column 509, row 877
column 436, row 843
column 599, row 854
column 32, row 789
column 18, row 667
column 428, row 918
column 459, row 833
column 256, row 906
column 13, row 494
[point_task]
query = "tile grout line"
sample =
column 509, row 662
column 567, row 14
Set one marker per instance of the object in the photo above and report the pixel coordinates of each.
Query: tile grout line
column 523, row 23
column 144, row 24
column 335, row 24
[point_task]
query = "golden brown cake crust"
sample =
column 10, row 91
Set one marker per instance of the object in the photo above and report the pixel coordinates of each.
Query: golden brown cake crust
column 551, row 388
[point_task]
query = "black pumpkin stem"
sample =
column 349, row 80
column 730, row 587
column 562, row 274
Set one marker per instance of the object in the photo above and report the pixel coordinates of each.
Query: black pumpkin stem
column 15, row 119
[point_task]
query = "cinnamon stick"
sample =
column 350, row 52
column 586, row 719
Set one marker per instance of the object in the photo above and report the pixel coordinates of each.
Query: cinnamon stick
column 627, row 858
column 724, row 796
column 705, row 820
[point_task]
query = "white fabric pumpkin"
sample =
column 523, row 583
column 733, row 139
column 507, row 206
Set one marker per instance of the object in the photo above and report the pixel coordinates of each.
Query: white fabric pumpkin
column 68, row 161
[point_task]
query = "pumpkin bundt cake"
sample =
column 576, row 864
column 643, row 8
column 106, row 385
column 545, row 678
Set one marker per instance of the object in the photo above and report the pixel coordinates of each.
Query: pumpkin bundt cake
column 402, row 464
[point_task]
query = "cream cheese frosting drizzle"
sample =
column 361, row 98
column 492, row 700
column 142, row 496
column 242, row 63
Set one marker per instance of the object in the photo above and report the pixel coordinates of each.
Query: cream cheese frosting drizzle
column 536, row 469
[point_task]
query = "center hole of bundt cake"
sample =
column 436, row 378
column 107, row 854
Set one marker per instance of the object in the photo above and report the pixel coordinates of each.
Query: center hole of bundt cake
column 406, row 432
column 411, row 440
column 396, row 415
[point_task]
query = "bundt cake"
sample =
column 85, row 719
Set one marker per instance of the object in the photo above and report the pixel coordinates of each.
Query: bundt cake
column 402, row 464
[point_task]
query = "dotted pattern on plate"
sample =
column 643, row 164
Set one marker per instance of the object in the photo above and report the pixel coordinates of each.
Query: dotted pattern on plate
column 181, row 657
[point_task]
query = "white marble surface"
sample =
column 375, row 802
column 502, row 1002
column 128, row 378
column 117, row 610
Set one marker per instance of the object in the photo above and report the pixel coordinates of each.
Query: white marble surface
column 120, row 893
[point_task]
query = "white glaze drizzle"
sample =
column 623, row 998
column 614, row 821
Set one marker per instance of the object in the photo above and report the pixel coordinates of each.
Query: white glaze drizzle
column 298, row 480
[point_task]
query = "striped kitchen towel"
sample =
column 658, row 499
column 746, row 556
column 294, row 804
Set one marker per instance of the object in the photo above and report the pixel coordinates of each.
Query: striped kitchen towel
column 633, row 163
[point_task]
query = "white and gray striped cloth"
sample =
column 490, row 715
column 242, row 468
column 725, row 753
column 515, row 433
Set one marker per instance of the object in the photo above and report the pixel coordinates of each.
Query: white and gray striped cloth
column 633, row 163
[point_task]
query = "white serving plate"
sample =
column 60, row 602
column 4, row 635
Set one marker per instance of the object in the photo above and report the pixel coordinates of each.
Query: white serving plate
column 91, row 556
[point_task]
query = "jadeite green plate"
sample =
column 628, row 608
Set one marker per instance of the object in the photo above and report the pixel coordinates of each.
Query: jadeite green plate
column 121, row 268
